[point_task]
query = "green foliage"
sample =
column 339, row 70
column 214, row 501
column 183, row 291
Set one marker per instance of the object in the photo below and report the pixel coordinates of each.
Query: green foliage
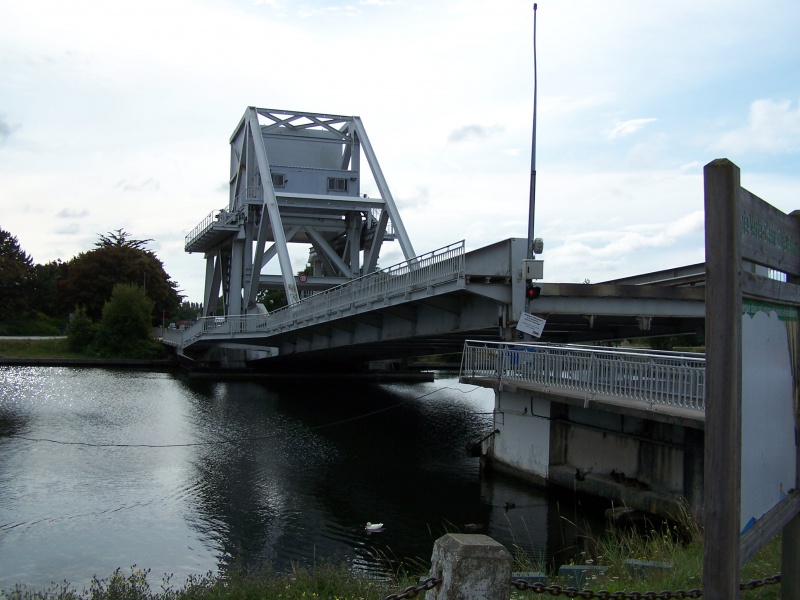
column 36, row 348
column 327, row 582
column 272, row 299
column 125, row 327
column 32, row 324
column 91, row 276
column 16, row 271
column 339, row 583
column 80, row 331
column 678, row 542
column 44, row 292
column 187, row 311
column 120, row 237
column 36, row 299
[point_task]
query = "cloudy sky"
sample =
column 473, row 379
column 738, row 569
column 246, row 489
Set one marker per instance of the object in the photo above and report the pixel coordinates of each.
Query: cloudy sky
column 118, row 115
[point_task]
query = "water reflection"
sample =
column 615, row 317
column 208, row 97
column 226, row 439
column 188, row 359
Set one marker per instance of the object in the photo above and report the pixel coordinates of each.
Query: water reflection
column 185, row 476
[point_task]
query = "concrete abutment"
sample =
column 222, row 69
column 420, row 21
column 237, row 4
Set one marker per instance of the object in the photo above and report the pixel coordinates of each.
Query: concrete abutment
column 636, row 457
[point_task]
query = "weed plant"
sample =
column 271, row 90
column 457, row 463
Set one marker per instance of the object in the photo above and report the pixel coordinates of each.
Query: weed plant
column 329, row 582
column 60, row 348
column 677, row 543
column 33, row 348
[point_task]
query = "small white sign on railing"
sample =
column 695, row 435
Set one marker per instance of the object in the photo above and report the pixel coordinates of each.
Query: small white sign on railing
column 531, row 324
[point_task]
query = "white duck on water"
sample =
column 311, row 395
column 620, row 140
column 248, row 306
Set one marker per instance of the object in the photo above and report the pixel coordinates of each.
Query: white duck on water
column 373, row 527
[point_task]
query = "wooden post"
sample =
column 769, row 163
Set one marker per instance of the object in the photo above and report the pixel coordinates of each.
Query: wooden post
column 790, row 536
column 723, row 381
column 790, row 560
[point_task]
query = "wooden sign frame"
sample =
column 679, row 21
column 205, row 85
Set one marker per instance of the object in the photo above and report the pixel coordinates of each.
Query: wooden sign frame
column 740, row 226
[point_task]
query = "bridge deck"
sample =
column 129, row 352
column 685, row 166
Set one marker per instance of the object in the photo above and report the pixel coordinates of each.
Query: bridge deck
column 432, row 303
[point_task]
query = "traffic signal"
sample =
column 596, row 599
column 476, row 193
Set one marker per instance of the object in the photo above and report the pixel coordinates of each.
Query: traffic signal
column 532, row 291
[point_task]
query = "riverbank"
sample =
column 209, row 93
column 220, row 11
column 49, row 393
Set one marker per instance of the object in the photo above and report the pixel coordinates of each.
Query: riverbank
column 30, row 351
column 607, row 568
column 53, row 351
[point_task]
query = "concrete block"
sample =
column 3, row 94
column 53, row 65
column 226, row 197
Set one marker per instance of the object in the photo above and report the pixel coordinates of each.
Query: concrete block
column 642, row 568
column 530, row 577
column 578, row 575
column 472, row 567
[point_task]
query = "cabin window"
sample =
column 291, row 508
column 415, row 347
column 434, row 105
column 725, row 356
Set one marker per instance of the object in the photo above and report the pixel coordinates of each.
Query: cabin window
column 337, row 184
column 278, row 180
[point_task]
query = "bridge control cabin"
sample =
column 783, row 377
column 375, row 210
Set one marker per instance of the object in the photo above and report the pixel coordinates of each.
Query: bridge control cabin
column 295, row 178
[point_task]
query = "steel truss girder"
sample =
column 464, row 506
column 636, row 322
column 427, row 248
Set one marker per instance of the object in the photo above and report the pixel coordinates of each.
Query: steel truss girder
column 338, row 228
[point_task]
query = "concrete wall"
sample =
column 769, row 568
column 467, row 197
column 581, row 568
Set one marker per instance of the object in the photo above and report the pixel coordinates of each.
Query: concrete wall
column 599, row 442
column 649, row 464
column 524, row 440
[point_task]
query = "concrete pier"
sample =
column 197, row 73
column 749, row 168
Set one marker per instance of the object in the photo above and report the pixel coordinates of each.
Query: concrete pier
column 634, row 456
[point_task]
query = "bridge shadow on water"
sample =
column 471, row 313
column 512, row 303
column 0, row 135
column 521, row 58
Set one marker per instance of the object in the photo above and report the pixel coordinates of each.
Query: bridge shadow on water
column 296, row 468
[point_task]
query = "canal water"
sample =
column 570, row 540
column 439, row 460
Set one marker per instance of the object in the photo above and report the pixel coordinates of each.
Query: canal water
column 103, row 469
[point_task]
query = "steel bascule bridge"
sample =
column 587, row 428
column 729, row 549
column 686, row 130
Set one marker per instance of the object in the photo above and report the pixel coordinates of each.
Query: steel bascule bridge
column 636, row 428
column 296, row 181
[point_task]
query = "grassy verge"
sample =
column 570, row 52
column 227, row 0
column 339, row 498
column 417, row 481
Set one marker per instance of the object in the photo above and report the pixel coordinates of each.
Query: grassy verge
column 677, row 544
column 325, row 582
column 33, row 348
column 669, row 544
column 59, row 348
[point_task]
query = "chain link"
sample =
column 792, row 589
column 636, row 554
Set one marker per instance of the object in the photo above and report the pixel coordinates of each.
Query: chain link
column 571, row 592
column 757, row 583
column 413, row 590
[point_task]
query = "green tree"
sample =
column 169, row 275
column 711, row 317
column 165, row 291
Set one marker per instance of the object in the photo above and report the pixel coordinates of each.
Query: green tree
column 16, row 272
column 90, row 276
column 44, row 293
column 272, row 299
column 187, row 311
column 125, row 327
column 80, row 331
column 120, row 237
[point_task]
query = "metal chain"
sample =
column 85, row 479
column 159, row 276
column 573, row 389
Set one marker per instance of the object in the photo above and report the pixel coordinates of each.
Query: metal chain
column 413, row 590
column 757, row 583
column 571, row 592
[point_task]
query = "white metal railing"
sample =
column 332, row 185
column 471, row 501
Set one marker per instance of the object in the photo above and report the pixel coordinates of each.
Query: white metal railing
column 251, row 192
column 669, row 378
column 222, row 215
column 434, row 268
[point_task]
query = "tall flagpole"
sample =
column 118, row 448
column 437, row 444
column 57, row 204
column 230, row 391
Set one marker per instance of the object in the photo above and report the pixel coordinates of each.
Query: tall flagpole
column 532, row 196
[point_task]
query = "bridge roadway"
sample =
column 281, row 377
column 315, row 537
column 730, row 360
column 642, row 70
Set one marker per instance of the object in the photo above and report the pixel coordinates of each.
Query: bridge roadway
column 432, row 303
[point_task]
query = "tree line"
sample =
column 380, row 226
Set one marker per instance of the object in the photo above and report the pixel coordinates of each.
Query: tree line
column 119, row 282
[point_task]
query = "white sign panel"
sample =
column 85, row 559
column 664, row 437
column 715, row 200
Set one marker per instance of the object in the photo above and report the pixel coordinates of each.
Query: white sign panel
column 531, row 324
column 768, row 450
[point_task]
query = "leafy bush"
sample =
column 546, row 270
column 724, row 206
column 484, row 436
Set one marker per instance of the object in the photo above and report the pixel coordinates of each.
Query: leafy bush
column 124, row 330
column 80, row 331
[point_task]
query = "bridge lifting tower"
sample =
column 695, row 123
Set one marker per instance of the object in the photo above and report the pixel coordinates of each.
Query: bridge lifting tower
column 295, row 178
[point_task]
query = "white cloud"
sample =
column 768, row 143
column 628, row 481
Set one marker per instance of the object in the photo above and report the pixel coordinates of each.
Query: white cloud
column 473, row 132
column 128, row 109
column 6, row 129
column 772, row 127
column 625, row 128
column 69, row 213
column 149, row 184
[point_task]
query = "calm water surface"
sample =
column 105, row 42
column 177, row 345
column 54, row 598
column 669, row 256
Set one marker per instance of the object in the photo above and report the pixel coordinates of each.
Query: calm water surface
column 101, row 469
